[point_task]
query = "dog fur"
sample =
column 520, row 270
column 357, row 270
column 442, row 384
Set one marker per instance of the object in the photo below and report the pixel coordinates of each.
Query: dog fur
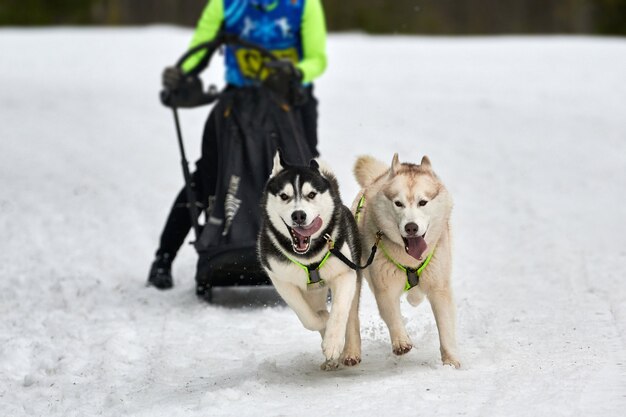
column 400, row 198
column 313, row 193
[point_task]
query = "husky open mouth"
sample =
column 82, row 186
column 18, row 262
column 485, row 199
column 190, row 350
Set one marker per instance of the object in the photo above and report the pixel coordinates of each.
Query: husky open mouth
column 301, row 235
column 415, row 246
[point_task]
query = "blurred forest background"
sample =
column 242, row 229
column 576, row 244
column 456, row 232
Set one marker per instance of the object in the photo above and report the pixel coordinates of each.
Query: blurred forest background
column 455, row 17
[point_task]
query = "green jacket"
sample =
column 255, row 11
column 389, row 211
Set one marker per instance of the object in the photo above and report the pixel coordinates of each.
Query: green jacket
column 312, row 32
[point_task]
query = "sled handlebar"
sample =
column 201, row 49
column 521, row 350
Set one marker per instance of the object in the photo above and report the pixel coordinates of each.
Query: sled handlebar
column 194, row 95
column 224, row 39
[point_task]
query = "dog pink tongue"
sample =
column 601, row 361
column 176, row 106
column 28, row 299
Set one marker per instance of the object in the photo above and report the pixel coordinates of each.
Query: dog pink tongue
column 307, row 231
column 416, row 246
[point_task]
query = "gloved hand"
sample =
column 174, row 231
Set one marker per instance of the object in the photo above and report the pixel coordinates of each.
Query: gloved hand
column 286, row 81
column 172, row 78
column 184, row 90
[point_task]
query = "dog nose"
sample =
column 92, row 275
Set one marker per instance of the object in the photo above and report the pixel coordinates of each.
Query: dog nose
column 298, row 217
column 411, row 229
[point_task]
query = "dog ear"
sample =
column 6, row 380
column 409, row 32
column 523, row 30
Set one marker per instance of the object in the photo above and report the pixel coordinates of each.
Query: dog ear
column 314, row 165
column 278, row 164
column 426, row 163
column 395, row 165
column 323, row 168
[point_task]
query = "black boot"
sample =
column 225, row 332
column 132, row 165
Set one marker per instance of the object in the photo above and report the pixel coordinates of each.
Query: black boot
column 161, row 272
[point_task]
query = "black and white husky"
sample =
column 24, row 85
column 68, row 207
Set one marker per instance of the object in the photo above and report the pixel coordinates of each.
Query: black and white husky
column 302, row 211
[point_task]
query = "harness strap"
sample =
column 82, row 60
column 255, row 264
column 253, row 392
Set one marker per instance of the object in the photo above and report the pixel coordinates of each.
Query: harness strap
column 347, row 261
column 359, row 208
column 412, row 274
column 312, row 272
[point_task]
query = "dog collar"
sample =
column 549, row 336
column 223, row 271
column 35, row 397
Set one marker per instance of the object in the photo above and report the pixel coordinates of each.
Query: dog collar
column 412, row 274
column 314, row 280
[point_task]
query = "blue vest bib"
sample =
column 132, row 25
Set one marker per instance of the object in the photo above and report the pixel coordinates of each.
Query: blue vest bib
column 273, row 24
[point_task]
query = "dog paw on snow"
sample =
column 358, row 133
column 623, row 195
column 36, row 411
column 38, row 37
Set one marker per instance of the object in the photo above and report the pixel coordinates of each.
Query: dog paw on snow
column 401, row 346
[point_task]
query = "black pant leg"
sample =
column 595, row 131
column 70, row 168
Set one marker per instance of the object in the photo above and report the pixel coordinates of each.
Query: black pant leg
column 203, row 184
column 178, row 222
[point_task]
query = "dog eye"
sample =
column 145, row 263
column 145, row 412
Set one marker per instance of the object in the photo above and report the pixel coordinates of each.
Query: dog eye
column 311, row 195
column 284, row 197
column 423, row 203
column 398, row 204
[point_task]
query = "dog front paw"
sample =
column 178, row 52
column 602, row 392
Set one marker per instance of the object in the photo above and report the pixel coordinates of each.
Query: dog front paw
column 449, row 360
column 351, row 360
column 448, row 357
column 401, row 347
column 351, row 356
column 331, row 365
column 332, row 347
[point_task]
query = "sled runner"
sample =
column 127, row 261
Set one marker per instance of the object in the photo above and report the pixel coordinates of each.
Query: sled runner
column 250, row 124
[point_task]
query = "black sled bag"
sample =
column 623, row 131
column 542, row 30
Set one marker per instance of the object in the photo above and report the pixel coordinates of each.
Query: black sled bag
column 250, row 125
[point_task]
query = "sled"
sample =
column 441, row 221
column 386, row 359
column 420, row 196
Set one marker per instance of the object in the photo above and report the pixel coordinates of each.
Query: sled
column 251, row 123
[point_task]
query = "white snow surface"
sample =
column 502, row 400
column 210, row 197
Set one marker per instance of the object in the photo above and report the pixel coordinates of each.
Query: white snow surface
column 529, row 134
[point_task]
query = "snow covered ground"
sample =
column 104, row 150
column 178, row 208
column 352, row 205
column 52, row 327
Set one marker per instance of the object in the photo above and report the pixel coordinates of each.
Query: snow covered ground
column 528, row 133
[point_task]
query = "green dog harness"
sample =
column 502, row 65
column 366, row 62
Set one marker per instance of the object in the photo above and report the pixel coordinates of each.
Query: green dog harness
column 359, row 208
column 314, row 280
column 412, row 274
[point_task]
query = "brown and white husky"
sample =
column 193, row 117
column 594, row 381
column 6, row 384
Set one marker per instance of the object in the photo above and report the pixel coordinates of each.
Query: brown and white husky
column 410, row 205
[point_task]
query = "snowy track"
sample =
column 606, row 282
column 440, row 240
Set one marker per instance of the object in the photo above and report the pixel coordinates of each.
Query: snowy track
column 528, row 133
